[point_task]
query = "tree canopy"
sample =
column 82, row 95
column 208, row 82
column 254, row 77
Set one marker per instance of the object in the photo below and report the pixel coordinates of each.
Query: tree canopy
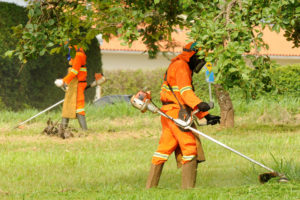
column 224, row 29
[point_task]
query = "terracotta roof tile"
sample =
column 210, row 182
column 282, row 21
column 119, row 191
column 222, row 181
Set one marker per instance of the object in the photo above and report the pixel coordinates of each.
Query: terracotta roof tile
column 278, row 45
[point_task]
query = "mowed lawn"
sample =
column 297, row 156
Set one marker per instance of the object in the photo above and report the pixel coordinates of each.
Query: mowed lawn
column 112, row 160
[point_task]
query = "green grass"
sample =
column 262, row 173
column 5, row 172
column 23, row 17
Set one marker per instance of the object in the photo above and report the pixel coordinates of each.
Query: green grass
column 112, row 161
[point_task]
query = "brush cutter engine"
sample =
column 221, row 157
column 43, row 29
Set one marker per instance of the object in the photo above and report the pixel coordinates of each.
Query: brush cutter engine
column 142, row 101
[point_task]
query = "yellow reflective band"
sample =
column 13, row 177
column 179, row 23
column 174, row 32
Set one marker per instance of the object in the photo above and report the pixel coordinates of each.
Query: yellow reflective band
column 166, row 87
column 160, row 155
column 185, row 89
column 74, row 71
column 188, row 157
column 80, row 110
column 83, row 69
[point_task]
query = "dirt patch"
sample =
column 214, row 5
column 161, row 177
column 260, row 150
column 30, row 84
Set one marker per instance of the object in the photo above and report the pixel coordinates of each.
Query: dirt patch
column 129, row 121
column 82, row 136
column 297, row 118
column 57, row 129
column 127, row 134
column 277, row 117
column 3, row 193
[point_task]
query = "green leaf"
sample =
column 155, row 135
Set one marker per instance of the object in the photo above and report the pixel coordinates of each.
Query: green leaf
column 50, row 44
column 9, row 53
column 42, row 52
column 55, row 50
column 276, row 28
column 51, row 22
column 30, row 13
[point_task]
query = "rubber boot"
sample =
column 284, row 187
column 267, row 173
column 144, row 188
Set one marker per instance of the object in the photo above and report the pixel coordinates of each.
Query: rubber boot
column 189, row 173
column 154, row 175
column 64, row 122
column 82, row 121
column 62, row 127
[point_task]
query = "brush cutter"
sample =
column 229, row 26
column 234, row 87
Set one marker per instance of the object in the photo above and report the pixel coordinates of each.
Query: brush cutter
column 99, row 79
column 142, row 101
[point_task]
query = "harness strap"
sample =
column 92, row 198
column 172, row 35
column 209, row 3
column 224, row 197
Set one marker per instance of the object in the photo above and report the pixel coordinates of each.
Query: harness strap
column 166, row 74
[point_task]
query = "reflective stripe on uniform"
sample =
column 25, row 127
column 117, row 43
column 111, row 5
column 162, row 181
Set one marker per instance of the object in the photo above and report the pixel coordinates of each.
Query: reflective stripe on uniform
column 188, row 157
column 80, row 110
column 83, row 69
column 166, row 87
column 182, row 90
column 160, row 155
column 74, row 71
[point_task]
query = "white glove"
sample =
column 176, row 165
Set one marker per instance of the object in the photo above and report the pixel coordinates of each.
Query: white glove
column 59, row 82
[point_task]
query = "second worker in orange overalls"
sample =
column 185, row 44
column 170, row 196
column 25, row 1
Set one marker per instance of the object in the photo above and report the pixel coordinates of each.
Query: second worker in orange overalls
column 75, row 80
column 178, row 99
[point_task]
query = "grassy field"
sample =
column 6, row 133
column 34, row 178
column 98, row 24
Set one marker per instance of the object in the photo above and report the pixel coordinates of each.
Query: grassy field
column 112, row 160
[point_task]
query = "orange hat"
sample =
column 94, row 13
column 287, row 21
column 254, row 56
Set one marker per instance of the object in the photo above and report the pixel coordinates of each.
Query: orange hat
column 188, row 51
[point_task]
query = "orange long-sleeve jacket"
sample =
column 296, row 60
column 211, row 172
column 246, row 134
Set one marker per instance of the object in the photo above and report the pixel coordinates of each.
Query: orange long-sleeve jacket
column 78, row 67
column 179, row 77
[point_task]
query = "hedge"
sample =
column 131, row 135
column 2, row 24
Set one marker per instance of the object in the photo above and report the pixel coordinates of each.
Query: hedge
column 33, row 86
column 286, row 80
column 131, row 81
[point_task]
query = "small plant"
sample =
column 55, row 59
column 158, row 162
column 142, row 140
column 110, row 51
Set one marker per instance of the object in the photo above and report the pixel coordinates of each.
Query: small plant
column 287, row 167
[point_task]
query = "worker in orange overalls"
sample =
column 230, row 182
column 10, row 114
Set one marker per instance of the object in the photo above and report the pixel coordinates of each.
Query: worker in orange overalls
column 178, row 99
column 75, row 81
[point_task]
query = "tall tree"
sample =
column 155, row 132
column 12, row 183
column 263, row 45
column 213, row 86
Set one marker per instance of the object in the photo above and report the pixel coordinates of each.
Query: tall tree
column 224, row 29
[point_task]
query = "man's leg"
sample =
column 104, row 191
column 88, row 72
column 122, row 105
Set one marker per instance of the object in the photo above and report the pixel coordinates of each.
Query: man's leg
column 187, row 143
column 82, row 121
column 64, row 122
column 189, row 174
column 80, row 111
column 167, row 145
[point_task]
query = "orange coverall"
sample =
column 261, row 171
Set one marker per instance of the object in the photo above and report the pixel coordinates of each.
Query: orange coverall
column 78, row 70
column 179, row 77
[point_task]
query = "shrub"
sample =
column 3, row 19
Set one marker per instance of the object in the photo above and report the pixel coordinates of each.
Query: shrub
column 131, row 81
column 286, row 79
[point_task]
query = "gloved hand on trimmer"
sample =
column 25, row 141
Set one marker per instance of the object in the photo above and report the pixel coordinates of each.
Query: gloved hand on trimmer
column 212, row 119
column 203, row 106
column 60, row 83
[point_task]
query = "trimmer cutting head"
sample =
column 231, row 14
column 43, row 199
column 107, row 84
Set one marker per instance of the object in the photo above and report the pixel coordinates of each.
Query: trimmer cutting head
column 265, row 177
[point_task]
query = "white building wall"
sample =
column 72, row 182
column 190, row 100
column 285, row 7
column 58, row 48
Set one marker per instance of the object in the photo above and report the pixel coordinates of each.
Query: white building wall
column 133, row 61
column 286, row 60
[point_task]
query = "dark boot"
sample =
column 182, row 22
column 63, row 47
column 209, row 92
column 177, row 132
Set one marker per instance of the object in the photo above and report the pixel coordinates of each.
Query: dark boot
column 82, row 122
column 62, row 127
column 64, row 122
column 189, row 173
column 154, row 175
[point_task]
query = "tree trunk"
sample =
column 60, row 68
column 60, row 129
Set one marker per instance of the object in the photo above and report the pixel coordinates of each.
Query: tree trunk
column 225, row 103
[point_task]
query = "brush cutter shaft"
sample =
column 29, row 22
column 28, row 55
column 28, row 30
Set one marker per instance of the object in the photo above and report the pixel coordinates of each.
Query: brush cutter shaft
column 229, row 148
column 215, row 141
column 49, row 108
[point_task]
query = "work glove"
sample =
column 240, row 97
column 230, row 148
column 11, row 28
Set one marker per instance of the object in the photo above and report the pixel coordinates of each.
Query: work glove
column 212, row 119
column 203, row 106
column 59, row 82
